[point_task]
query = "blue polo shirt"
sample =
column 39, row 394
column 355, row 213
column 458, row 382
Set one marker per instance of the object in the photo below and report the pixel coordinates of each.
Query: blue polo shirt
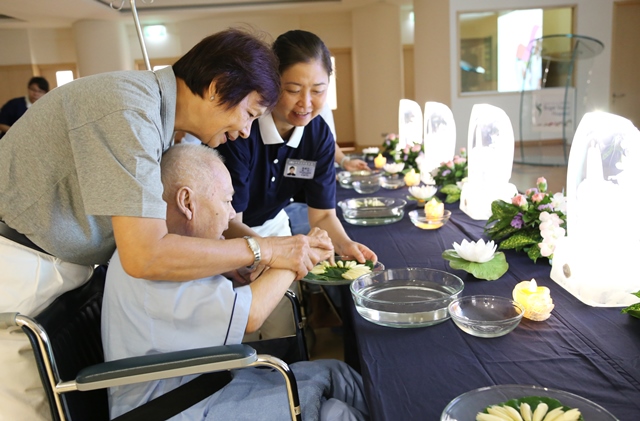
column 259, row 166
column 13, row 110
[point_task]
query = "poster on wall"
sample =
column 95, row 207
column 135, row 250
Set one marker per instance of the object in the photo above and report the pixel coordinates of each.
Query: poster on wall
column 549, row 111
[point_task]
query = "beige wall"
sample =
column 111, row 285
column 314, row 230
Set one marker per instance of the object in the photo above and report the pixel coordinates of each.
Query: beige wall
column 435, row 52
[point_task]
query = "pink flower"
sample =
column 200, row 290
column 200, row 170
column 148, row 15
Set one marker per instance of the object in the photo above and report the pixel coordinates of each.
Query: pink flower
column 459, row 160
column 542, row 184
column 406, row 149
column 463, row 150
column 530, row 192
column 537, row 198
column 416, row 147
column 449, row 164
column 519, row 200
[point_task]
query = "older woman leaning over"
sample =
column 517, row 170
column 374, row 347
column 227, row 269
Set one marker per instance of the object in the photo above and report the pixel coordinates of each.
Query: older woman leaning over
column 80, row 173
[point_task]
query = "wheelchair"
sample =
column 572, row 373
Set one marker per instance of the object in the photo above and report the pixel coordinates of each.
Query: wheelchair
column 66, row 340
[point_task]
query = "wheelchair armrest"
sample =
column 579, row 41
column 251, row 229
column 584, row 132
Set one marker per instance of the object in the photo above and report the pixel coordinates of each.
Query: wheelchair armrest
column 161, row 366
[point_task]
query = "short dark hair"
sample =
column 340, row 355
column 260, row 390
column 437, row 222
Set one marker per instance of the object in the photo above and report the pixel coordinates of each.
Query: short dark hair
column 237, row 61
column 298, row 46
column 40, row 81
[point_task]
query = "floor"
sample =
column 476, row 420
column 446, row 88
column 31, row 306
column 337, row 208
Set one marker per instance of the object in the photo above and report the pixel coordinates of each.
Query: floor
column 327, row 337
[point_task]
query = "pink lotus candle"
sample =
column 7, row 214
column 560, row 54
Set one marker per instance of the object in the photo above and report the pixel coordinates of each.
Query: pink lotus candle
column 536, row 300
column 379, row 161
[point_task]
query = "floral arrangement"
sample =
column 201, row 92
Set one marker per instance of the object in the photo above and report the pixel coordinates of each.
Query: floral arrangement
column 532, row 222
column 409, row 155
column 450, row 176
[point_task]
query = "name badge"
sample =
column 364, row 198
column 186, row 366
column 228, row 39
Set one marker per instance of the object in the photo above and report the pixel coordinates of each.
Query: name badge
column 299, row 168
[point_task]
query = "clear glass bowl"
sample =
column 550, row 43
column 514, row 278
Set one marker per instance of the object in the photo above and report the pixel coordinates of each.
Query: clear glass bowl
column 346, row 178
column 486, row 316
column 405, row 298
column 372, row 210
column 367, row 186
column 421, row 221
column 392, row 182
column 466, row 406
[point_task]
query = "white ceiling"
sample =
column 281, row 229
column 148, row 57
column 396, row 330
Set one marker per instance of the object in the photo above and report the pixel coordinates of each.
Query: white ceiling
column 63, row 13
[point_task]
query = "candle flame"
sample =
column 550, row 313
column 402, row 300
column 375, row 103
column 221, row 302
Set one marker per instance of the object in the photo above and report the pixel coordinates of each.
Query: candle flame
column 533, row 286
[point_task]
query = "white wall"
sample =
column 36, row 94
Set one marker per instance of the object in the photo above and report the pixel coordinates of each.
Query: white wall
column 593, row 19
column 14, row 47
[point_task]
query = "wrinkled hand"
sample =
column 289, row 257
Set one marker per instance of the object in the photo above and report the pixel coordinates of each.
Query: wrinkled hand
column 358, row 251
column 355, row 165
column 299, row 253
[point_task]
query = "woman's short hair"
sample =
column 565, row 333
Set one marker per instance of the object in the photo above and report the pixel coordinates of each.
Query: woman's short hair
column 298, row 46
column 42, row 83
column 237, row 61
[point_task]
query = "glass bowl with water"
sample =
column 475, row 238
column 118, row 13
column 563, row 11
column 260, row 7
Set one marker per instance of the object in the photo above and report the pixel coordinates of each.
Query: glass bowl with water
column 372, row 210
column 410, row 297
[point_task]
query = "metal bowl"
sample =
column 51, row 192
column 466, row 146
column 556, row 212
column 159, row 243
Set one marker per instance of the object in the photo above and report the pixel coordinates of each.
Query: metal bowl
column 486, row 316
column 411, row 297
column 372, row 210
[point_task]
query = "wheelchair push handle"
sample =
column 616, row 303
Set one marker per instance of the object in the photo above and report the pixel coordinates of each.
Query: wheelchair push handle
column 8, row 320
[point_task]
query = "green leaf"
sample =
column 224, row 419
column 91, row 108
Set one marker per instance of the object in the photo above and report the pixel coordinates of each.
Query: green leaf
column 634, row 309
column 517, row 241
column 452, row 198
column 450, row 189
column 534, row 253
column 490, row 271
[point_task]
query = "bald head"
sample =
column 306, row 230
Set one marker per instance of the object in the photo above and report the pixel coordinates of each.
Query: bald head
column 198, row 191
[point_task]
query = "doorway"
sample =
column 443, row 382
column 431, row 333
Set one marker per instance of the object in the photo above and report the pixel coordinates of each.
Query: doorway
column 343, row 115
column 625, row 60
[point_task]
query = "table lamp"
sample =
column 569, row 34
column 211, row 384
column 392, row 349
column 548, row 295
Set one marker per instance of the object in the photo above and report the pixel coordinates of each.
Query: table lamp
column 439, row 136
column 490, row 159
column 596, row 261
column 409, row 124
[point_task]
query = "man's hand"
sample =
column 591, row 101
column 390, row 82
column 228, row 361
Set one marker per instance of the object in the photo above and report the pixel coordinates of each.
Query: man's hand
column 299, row 253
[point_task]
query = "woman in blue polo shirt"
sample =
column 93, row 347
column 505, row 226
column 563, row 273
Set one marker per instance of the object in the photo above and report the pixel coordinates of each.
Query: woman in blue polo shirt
column 291, row 136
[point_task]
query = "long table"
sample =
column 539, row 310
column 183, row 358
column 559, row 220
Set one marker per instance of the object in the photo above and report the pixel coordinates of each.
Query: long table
column 412, row 374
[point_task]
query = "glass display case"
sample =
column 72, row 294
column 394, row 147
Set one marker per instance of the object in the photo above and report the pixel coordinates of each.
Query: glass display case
column 554, row 96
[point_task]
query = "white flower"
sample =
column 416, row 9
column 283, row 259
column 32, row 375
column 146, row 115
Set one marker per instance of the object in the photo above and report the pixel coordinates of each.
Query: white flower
column 559, row 202
column 460, row 183
column 371, row 150
column 394, row 167
column 476, row 251
column 549, row 220
column 422, row 192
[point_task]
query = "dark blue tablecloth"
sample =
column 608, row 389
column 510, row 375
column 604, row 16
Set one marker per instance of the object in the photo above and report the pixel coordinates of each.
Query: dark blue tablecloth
column 412, row 374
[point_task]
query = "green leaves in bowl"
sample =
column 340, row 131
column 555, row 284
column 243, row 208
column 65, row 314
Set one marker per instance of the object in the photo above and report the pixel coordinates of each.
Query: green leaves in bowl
column 334, row 273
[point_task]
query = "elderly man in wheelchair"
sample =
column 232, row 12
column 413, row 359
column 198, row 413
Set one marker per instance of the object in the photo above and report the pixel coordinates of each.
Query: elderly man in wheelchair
column 141, row 317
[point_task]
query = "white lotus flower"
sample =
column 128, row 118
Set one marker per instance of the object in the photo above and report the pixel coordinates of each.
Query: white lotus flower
column 394, row 167
column 476, row 251
column 422, row 192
